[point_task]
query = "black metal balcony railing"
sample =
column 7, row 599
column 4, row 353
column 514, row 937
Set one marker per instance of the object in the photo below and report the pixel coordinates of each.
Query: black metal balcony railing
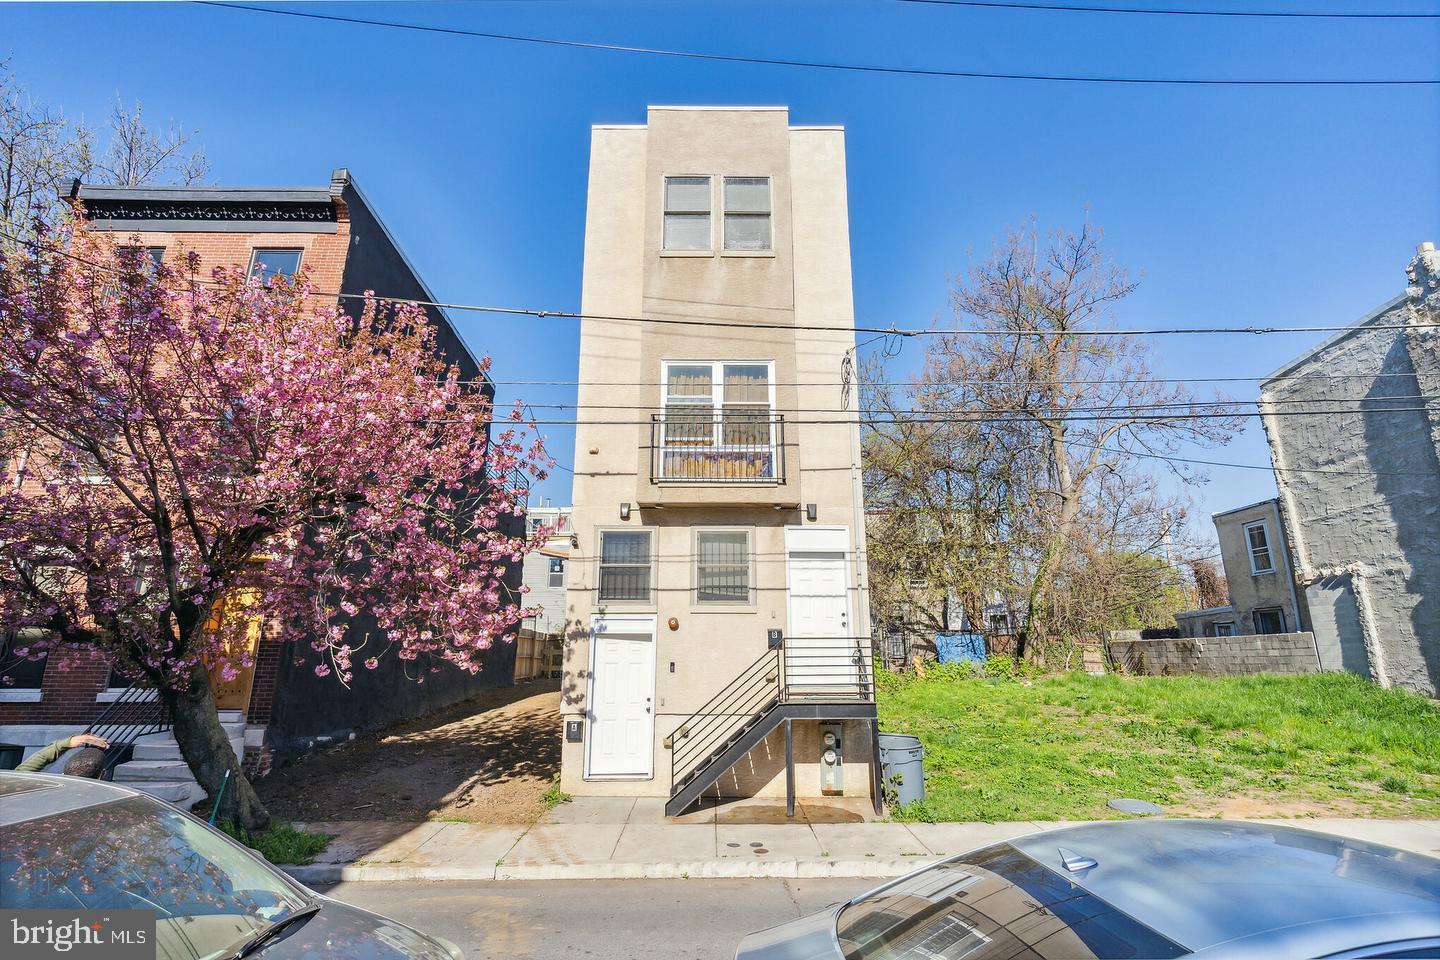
column 717, row 446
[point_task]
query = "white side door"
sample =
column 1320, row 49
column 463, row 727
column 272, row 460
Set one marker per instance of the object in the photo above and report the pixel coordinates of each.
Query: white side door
column 622, row 698
column 820, row 648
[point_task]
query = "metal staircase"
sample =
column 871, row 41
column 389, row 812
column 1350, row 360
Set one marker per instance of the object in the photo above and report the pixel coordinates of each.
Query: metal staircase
column 799, row 679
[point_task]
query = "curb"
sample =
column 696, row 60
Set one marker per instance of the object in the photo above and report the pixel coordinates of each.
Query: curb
column 727, row 869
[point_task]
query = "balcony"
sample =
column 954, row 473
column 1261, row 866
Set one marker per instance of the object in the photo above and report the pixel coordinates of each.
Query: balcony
column 717, row 446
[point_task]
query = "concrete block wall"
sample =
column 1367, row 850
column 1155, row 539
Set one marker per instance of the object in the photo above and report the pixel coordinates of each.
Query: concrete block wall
column 1283, row 653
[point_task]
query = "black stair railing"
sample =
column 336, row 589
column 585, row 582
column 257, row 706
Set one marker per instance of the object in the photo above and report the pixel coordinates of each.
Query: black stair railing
column 138, row 711
column 709, row 729
column 827, row 670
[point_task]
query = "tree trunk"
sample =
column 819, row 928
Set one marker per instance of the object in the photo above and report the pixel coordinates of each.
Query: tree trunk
column 206, row 748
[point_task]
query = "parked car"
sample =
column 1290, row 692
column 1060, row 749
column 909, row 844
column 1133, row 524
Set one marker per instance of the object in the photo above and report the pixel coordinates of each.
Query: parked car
column 1143, row 888
column 68, row 843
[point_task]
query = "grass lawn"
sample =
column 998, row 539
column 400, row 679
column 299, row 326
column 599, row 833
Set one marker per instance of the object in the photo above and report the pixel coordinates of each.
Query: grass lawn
column 1058, row 747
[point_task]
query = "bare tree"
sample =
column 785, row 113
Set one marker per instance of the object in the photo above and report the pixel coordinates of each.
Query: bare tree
column 140, row 154
column 1054, row 422
column 40, row 152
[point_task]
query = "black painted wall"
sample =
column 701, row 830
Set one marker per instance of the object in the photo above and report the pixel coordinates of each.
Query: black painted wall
column 312, row 711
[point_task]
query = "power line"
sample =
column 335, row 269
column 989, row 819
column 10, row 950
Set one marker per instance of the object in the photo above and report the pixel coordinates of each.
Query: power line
column 701, row 413
column 762, row 325
column 814, row 64
column 971, row 382
column 1151, row 11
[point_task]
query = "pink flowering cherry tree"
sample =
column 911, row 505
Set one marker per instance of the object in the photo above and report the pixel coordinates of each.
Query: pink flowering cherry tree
column 188, row 452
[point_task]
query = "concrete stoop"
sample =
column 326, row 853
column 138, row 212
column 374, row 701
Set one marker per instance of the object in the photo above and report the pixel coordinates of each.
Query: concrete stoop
column 157, row 768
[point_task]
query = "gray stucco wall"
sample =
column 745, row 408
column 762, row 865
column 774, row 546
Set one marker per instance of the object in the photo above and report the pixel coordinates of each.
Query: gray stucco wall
column 1361, row 489
column 1286, row 653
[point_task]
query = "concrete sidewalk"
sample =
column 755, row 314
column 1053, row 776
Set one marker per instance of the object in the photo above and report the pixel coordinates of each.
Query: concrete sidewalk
column 612, row 838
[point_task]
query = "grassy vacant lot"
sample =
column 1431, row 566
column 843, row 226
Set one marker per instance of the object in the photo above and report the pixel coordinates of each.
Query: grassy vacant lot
column 1058, row 747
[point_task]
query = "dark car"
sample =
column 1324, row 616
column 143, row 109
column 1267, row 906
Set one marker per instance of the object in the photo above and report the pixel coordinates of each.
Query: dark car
column 67, row 843
column 1145, row 888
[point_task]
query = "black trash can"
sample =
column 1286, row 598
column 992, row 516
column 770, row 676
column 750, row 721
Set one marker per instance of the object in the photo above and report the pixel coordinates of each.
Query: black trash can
column 902, row 763
column 10, row 755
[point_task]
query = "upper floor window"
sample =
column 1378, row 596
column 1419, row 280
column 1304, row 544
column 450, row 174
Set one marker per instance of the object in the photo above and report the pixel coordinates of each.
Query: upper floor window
column 624, row 566
column 1257, row 541
column 153, row 255
column 687, row 213
column 557, row 572
column 718, row 422
column 747, row 213
column 268, row 263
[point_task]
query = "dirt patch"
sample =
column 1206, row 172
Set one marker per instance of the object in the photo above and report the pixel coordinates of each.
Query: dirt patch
column 1268, row 808
column 487, row 760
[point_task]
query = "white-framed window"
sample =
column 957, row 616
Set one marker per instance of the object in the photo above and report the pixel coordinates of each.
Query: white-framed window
column 267, row 263
column 722, row 566
column 556, row 575
column 747, row 213
column 626, row 561
column 719, row 421
column 1257, row 543
column 687, row 214
column 1269, row 620
column 1225, row 628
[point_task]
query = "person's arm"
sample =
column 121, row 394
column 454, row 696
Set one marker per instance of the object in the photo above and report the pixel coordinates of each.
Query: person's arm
column 43, row 757
column 47, row 755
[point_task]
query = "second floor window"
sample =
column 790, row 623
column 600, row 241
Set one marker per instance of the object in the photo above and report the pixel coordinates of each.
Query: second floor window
column 268, row 263
column 687, row 213
column 624, row 566
column 557, row 572
column 747, row 213
column 718, row 421
column 1257, row 540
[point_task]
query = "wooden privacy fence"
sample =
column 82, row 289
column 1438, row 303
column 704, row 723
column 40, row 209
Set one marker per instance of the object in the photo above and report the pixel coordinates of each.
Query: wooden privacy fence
column 536, row 655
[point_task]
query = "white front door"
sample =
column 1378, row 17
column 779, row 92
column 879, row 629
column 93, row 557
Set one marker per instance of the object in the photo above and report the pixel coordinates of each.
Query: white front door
column 622, row 694
column 820, row 648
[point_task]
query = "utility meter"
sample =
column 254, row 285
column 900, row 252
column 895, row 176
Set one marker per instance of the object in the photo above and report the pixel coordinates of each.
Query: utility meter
column 832, row 761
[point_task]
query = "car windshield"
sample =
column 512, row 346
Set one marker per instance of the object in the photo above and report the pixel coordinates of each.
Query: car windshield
column 209, row 896
column 994, row 903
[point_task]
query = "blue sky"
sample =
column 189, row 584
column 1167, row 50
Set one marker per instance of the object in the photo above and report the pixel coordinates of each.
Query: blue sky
column 1233, row 205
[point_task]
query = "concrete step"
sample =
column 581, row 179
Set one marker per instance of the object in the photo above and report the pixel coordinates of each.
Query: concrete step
column 182, row 793
column 152, row 770
column 168, row 749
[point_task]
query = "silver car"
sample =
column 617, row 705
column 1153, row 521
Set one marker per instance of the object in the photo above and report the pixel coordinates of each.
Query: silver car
column 72, row 844
column 1144, row 888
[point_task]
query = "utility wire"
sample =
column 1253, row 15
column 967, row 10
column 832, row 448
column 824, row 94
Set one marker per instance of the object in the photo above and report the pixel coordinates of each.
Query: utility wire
column 965, row 383
column 1151, row 11
column 817, row 64
column 762, row 325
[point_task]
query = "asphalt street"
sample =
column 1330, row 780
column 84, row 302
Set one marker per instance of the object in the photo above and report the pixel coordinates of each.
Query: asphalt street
column 600, row 919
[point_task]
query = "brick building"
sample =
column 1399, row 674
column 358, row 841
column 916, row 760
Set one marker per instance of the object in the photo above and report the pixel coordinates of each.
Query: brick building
column 279, row 709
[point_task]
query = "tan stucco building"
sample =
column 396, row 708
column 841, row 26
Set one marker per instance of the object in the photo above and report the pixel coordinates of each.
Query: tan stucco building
column 1259, row 576
column 716, row 591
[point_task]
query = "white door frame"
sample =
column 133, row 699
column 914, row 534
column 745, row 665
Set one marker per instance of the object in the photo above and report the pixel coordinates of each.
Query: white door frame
column 622, row 623
column 815, row 538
